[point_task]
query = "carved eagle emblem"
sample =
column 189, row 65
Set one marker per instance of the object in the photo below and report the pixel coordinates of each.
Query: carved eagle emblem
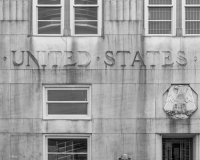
column 180, row 103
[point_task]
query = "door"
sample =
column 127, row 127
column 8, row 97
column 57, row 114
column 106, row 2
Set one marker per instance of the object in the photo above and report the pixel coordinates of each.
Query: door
column 176, row 149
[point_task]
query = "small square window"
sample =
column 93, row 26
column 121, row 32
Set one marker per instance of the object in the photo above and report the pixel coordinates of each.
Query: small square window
column 48, row 17
column 86, row 17
column 67, row 102
column 67, row 147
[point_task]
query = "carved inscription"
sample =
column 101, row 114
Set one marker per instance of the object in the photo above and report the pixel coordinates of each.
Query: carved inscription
column 84, row 58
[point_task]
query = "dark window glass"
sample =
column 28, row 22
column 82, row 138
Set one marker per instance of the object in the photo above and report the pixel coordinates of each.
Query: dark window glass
column 86, row 13
column 160, row 13
column 160, row 2
column 162, row 27
column 67, row 145
column 67, row 157
column 67, row 108
column 192, row 27
column 67, row 95
column 49, row 27
column 192, row 13
column 86, row 2
column 48, row 2
column 86, row 28
column 192, row 2
column 51, row 13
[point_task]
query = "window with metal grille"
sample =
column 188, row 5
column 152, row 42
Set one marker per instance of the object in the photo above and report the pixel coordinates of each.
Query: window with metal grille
column 67, row 147
column 192, row 17
column 159, row 17
column 86, row 17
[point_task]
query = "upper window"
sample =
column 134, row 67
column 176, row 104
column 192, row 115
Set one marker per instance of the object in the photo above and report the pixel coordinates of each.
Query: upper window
column 160, row 17
column 192, row 17
column 86, row 17
column 48, row 17
column 67, row 102
column 67, row 147
column 81, row 18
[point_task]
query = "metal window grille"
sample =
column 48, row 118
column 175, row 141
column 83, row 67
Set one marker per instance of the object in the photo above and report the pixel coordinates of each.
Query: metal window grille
column 160, row 20
column 192, row 2
column 160, row 2
column 192, row 20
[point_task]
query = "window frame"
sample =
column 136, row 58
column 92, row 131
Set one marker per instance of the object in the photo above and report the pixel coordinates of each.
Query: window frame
column 99, row 20
column 35, row 17
column 146, row 23
column 184, row 20
column 66, row 136
column 67, row 116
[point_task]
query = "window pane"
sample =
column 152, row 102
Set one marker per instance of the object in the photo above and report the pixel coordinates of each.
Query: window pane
column 192, row 13
column 159, row 27
column 67, row 108
column 159, row 13
column 192, row 1
column 85, row 1
column 160, row 1
column 52, row 157
column 86, row 28
column 86, row 13
column 51, row 13
column 48, row 1
column 67, row 157
column 192, row 27
column 80, row 157
column 67, row 95
column 49, row 27
column 67, row 145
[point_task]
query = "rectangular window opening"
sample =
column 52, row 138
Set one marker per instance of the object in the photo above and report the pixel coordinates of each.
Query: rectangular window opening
column 67, row 102
column 67, row 147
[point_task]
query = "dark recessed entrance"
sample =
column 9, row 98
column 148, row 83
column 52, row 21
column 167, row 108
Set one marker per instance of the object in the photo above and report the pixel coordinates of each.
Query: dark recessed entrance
column 177, row 149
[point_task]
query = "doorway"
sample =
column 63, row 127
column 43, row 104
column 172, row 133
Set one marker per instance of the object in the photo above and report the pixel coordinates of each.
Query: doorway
column 177, row 149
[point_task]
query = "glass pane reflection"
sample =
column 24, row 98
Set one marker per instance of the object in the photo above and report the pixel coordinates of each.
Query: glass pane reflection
column 67, row 108
column 86, row 28
column 49, row 27
column 49, row 2
column 51, row 13
column 67, row 145
column 86, row 13
column 85, row 1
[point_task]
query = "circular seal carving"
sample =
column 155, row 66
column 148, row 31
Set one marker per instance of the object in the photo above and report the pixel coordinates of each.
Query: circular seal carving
column 180, row 103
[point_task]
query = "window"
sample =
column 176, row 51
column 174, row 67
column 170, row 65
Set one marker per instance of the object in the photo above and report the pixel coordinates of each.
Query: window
column 67, row 17
column 191, row 16
column 160, row 17
column 86, row 16
column 67, row 147
column 67, row 102
column 48, row 17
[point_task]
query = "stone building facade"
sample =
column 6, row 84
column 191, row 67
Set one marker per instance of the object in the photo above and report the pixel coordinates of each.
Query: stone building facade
column 98, row 79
